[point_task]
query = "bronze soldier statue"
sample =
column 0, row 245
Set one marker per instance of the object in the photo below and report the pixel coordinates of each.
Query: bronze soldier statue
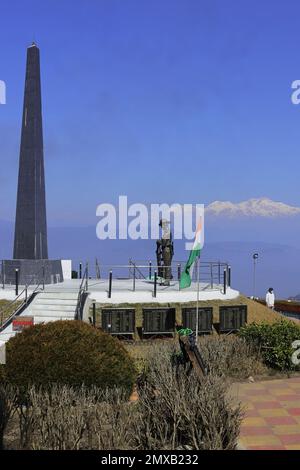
column 165, row 252
column 159, row 258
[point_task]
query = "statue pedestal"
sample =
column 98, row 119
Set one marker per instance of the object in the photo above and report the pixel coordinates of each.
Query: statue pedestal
column 32, row 271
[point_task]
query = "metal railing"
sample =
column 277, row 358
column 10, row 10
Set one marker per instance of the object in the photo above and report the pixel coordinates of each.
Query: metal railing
column 82, row 293
column 5, row 322
column 212, row 275
column 135, row 272
column 210, row 272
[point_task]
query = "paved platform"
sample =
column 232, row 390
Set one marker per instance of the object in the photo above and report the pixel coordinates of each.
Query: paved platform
column 272, row 414
column 126, row 291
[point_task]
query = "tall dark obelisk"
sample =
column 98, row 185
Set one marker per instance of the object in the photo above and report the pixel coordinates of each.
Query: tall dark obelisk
column 31, row 226
column 30, row 263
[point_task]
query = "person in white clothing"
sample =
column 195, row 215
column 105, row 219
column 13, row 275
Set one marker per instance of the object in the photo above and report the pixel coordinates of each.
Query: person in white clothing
column 270, row 298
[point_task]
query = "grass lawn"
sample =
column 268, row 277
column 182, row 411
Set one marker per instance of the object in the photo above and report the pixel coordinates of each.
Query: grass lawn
column 6, row 309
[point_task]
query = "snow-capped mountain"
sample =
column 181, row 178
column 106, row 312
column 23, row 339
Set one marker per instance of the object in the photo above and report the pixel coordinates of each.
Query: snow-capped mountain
column 262, row 207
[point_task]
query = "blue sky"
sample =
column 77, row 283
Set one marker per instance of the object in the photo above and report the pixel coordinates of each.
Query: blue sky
column 163, row 100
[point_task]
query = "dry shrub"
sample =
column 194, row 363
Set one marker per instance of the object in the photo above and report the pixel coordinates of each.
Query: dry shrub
column 59, row 417
column 7, row 407
column 231, row 356
column 111, row 425
column 177, row 411
column 26, row 419
column 64, row 418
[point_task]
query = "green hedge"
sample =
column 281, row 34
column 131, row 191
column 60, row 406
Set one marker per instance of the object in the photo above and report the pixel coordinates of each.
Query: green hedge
column 275, row 341
column 68, row 352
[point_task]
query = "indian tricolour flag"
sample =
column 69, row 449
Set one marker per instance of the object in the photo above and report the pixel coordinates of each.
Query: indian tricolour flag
column 186, row 276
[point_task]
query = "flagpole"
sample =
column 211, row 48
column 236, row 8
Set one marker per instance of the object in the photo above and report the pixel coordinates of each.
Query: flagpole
column 197, row 304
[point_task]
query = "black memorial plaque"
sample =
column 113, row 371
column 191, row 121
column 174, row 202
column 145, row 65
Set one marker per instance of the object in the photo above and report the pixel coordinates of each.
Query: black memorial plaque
column 158, row 320
column 232, row 317
column 118, row 321
column 205, row 318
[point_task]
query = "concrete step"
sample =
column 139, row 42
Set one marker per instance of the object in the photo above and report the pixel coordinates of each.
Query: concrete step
column 60, row 288
column 57, row 295
column 43, row 301
column 52, row 308
column 42, row 319
column 6, row 336
column 57, row 314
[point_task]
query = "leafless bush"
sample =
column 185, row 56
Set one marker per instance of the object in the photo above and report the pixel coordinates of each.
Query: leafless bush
column 175, row 409
column 60, row 417
column 26, row 422
column 178, row 411
column 110, row 425
column 7, row 407
column 64, row 418
column 231, row 356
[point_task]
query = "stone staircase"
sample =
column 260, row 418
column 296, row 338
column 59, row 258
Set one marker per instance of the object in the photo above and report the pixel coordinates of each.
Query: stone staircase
column 52, row 306
column 48, row 305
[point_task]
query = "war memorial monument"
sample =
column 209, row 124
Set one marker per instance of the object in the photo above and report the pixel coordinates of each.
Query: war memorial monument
column 30, row 254
column 140, row 299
